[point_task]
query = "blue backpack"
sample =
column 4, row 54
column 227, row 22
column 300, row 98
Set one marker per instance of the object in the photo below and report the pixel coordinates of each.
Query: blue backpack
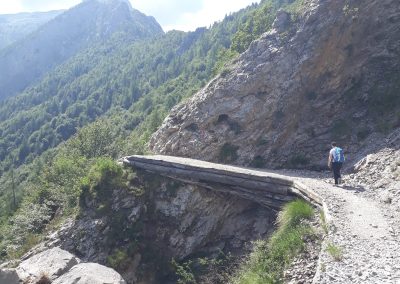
column 338, row 155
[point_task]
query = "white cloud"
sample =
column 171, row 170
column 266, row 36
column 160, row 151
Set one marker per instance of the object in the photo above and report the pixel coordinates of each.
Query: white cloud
column 47, row 5
column 18, row 6
column 211, row 12
column 10, row 7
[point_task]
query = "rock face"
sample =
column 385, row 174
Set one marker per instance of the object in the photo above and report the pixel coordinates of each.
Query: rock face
column 379, row 173
column 330, row 75
column 58, row 266
column 53, row 263
column 90, row 273
column 160, row 219
column 9, row 276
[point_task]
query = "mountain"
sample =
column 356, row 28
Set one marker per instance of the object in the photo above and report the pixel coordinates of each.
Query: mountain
column 128, row 87
column 332, row 76
column 82, row 26
column 269, row 86
column 136, row 80
column 14, row 27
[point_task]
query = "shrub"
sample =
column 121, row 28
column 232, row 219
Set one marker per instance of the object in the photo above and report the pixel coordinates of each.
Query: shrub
column 184, row 272
column 103, row 177
column 228, row 153
column 118, row 260
column 258, row 162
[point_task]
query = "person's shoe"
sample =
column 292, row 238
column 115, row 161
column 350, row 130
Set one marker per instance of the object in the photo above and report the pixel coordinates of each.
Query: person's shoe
column 339, row 181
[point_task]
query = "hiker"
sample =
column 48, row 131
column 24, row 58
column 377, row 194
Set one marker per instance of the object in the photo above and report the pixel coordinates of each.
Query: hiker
column 335, row 162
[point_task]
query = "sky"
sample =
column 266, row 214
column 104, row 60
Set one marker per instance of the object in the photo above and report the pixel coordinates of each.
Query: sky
column 186, row 15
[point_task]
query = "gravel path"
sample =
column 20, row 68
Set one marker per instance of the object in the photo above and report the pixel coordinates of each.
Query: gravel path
column 363, row 228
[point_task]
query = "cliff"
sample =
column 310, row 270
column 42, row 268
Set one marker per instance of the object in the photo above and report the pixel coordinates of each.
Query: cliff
column 328, row 71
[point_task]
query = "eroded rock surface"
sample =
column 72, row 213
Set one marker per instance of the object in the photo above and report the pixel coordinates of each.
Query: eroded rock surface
column 58, row 266
column 330, row 75
column 90, row 273
column 53, row 263
column 162, row 219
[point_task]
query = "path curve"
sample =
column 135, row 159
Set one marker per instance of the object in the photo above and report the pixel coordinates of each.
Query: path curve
column 363, row 228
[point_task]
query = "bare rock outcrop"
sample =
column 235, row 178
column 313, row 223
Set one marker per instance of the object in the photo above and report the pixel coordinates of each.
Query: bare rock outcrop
column 159, row 220
column 90, row 273
column 58, row 266
column 330, row 75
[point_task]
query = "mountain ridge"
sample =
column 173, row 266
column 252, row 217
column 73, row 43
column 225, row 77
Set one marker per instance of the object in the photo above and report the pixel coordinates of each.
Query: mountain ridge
column 29, row 59
column 14, row 27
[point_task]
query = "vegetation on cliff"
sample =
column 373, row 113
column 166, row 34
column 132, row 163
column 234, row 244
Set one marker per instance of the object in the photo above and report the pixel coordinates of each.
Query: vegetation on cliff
column 269, row 258
column 51, row 134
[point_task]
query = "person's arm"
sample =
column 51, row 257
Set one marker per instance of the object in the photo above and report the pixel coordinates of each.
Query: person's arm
column 330, row 160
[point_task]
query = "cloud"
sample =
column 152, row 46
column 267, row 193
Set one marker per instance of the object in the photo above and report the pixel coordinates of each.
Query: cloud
column 47, row 5
column 167, row 12
column 18, row 6
column 210, row 12
column 10, row 7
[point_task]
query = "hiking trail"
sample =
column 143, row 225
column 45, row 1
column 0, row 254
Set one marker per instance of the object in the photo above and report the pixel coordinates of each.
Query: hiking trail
column 363, row 229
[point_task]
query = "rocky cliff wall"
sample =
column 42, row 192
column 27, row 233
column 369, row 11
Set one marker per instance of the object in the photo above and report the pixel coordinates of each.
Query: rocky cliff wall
column 330, row 72
column 159, row 220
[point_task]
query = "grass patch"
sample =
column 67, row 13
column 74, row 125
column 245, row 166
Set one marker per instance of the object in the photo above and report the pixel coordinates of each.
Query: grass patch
column 269, row 258
column 335, row 251
column 324, row 224
column 118, row 260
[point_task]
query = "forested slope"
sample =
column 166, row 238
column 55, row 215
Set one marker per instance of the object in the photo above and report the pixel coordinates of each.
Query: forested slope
column 80, row 27
column 117, row 93
column 14, row 27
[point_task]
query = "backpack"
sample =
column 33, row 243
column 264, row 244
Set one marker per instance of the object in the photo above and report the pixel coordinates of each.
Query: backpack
column 338, row 155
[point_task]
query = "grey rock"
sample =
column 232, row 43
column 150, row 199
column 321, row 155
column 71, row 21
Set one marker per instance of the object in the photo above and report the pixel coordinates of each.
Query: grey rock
column 53, row 263
column 90, row 273
column 282, row 21
column 282, row 98
column 9, row 276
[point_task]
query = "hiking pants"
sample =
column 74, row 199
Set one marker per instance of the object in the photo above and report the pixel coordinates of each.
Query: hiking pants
column 336, row 166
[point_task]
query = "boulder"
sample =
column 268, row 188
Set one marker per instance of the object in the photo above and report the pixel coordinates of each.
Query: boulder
column 90, row 273
column 52, row 263
column 9, row 276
